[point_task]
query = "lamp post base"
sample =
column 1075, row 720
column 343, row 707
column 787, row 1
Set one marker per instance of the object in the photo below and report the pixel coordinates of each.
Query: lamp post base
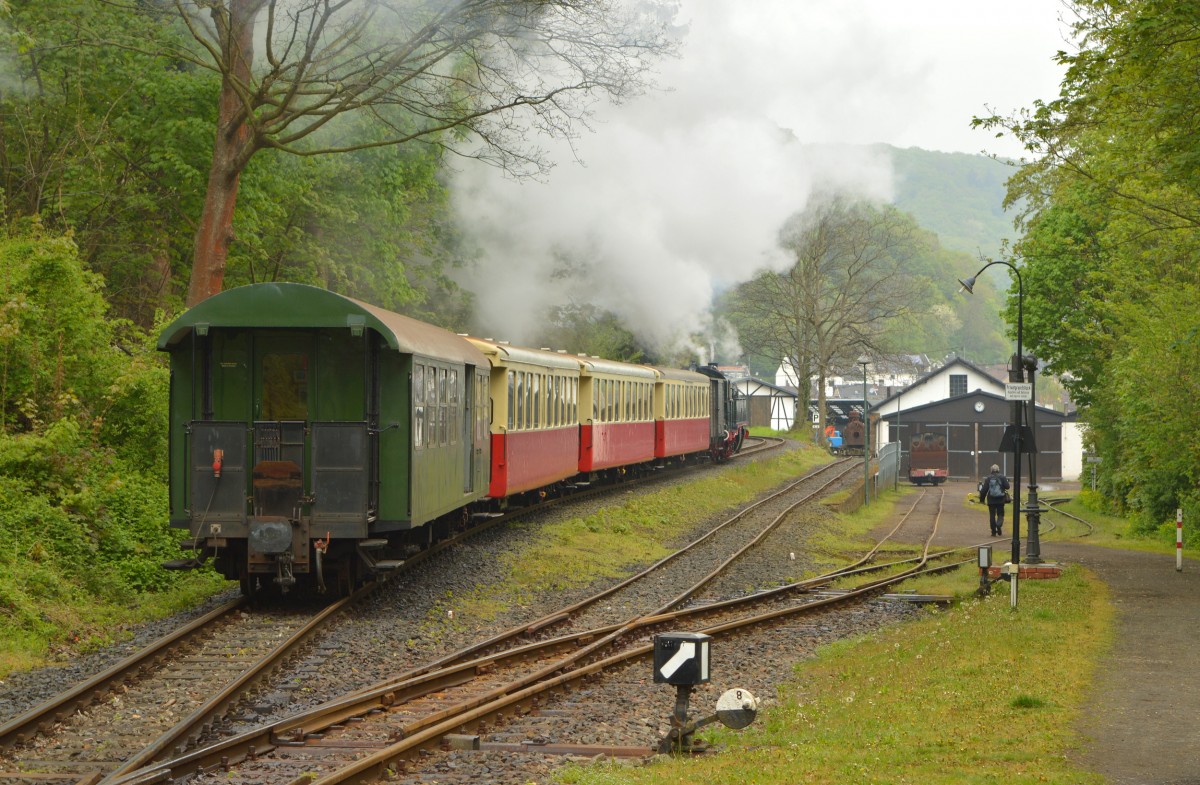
column 1033, row 519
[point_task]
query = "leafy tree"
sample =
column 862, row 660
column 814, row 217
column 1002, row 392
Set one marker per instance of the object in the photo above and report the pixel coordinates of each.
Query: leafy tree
column 103, row 140
column 1112, row 205
column 490, row 71
column 586, row 329
column 849, row 281
column 82, row 431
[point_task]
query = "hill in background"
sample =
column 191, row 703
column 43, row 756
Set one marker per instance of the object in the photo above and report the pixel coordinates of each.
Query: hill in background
column 957, row 195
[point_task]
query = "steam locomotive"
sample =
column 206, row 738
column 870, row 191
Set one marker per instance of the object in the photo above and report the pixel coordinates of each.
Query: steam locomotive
column 316, row 438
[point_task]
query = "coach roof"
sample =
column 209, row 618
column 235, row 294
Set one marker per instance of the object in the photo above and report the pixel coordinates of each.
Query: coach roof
column 506, row 354
column 293, row 305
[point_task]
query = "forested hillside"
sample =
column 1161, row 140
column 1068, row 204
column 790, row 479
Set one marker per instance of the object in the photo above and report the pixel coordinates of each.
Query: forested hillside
column 959, row 197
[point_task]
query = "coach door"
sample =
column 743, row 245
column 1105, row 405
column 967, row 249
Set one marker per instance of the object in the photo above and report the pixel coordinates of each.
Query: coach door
column 468, row 429
column 282, row 400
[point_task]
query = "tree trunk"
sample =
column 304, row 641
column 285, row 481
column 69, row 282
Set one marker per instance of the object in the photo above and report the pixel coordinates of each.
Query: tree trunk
column 232, row 148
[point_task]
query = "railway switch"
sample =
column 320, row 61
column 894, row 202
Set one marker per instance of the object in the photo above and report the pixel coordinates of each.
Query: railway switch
column 985, row 563
column 682, row 659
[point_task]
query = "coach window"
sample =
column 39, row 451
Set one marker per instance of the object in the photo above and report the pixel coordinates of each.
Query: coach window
column 535, row 400
column 285, row 387
column 430, row 406
column 453, row 410
column 530, row 393
column 418, row 390
column 443, row 397
column 512, row 396
column 433, row 431
column 527, row 402
column 519, row 403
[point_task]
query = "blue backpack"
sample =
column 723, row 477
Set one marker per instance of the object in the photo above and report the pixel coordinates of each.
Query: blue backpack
column 995, row 489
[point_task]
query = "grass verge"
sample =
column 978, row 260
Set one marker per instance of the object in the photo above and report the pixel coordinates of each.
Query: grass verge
column 972, row 694
column 77, row 622
column 577, row 551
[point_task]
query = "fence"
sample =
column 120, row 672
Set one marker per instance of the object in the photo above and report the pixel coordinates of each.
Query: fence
column 887, row 467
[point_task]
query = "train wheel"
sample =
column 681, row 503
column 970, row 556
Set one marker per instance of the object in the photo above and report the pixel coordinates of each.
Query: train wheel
column 250, row 584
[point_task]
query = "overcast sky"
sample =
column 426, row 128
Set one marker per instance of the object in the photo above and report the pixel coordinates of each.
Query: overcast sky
column 681, row 194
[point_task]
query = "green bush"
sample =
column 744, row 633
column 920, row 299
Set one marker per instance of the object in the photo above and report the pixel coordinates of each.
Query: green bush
column 83, row 496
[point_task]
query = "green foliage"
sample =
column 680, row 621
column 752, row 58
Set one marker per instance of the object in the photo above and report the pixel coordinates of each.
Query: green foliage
column 1112, row 209
column 83, row 401
column 959, row 197
column 586, row 329
column 105, row 140
column 113, row 144
column 53, row 337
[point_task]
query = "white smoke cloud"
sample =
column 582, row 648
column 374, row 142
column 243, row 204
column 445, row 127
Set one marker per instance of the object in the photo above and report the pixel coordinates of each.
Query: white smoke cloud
column 681, row 194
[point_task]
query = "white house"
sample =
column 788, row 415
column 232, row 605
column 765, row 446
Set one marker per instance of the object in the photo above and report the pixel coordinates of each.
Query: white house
column 932, row 399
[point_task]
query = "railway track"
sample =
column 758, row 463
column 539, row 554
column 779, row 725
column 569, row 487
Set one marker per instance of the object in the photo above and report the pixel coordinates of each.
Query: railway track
column 361, row 736
column 161, row 700
column 157, row 701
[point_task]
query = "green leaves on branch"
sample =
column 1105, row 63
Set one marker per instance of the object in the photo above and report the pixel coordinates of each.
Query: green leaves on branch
column 1112, row 241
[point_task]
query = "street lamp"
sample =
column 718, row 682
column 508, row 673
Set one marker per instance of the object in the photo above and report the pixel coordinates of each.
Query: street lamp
column 863, row 360
column 1016, row 373
column 899, row 443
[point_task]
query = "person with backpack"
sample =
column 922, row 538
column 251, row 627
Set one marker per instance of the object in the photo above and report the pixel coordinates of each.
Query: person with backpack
column 994, row 492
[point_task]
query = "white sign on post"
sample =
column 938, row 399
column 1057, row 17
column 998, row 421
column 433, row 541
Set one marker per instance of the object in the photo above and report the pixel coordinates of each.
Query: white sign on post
column 1018, row 391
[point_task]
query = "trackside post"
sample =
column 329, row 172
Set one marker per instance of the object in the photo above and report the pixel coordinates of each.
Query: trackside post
column 1179, row 539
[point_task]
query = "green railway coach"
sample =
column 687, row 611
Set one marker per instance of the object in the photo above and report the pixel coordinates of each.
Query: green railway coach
column 311, row 432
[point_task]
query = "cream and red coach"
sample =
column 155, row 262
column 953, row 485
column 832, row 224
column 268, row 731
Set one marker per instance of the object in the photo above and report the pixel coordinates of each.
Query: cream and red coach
column 535, row 418
column 616, row 406
column 682, row 413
